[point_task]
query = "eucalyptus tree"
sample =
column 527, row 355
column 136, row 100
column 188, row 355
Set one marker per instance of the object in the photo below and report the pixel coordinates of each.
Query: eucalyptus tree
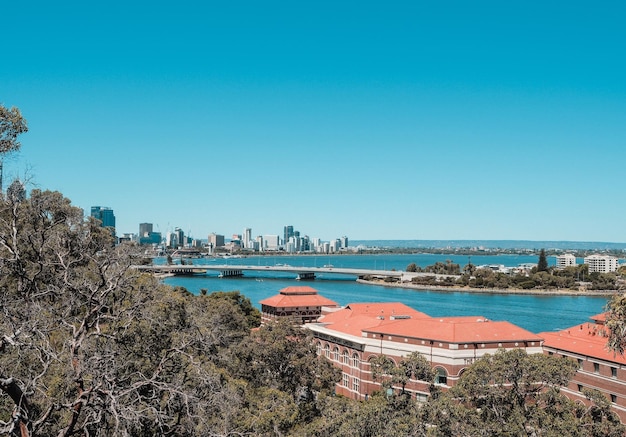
column 89, row 346
column 12, row 124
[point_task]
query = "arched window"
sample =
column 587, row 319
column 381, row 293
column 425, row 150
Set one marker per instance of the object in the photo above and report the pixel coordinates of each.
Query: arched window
column 336, row 354
column 327, row 351
column 318, row 348
column 345, row 358
column 441, row 376
column 355, row 360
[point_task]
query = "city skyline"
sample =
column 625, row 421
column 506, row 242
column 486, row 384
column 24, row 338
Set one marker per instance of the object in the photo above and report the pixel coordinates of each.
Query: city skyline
column 410, row 121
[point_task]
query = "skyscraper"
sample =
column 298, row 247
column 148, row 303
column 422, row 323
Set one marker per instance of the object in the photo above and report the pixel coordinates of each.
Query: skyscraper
column 145, row 229
column 105, row 215
column 288, row 232
column 247, row 238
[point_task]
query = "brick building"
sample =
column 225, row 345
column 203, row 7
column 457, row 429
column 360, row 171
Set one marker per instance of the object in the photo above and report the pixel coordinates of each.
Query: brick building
column 302, row 304
column 352, row 336
column 598, row 368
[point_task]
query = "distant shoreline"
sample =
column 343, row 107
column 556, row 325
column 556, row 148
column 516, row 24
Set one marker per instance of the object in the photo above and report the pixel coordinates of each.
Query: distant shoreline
column 539, row 292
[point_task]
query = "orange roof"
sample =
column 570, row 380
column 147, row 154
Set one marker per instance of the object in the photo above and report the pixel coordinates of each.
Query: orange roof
column 357, row 317
column 600, row 319
column 400, row 320
column 458, row 330
column 587, row 339
column 300, row 296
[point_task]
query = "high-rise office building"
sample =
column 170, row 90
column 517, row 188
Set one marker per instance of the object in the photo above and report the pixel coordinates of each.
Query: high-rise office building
column 216, row 240
column 105, row 215
column 287, row 233
column 145, row 229
column 247, row 238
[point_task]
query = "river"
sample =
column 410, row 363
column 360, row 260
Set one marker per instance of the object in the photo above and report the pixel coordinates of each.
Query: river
column 532, row 312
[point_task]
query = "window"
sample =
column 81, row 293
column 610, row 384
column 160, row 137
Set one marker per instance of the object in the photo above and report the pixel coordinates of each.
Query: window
column 346, row 380
column 318, row 349
column 346, row 357
column 327, row 351
column 355, row 360
column 441, row 377
column 336, row 354
column 614, row 399
column 580, row 387
column 421, row 397
column 614, row 372
column 580, row 363
column 355, row 384
column 596, row 368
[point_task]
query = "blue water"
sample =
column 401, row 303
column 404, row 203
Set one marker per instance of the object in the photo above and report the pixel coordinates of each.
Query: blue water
column 532, row 312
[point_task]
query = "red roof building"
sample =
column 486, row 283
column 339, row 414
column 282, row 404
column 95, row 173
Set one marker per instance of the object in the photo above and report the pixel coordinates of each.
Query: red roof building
column 352, row 336
column 598, row 368
column 302, row 304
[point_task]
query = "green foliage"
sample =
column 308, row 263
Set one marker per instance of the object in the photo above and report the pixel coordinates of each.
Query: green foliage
column 616, row 323
column 513, row 393
column 542, row 264
column 12, row 124
column 253, row 315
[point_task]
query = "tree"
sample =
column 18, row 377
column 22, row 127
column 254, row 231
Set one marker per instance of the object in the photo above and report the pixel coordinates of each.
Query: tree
column 542, row 265
column 514, row 393
column 12, row 124
column 89, row 346
column 616, row 323
column 252, row 314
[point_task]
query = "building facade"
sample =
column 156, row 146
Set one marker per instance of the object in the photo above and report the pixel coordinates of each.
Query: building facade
column 598, row 368
column 105, row 215
column 565, row 260
column 601, row 263
column 353, row 336
column 301, row 304
column 215, row 240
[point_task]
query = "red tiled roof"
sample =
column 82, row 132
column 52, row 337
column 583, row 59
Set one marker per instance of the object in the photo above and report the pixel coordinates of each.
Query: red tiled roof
column 587, row 339
column 387, row 319
column 299, row 296
column 459, row 330
column 357, row 317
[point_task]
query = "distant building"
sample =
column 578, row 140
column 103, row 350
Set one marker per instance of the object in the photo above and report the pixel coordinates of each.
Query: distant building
column 247, row 238
column 344, row 242
column 565, row 260
column 146, row 234
column 105, row 215
column 287, row 233
column 145, row 229
column 215, row 240
column 180, row 238
column 301, row 304
column 598, row 368
column 270, row 242
column 601, row 263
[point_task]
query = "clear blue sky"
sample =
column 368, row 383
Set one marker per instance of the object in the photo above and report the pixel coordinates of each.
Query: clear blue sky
column 402, row 120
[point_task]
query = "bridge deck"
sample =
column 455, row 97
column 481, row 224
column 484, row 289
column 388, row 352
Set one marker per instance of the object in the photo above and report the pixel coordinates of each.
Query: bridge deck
column 203, row 268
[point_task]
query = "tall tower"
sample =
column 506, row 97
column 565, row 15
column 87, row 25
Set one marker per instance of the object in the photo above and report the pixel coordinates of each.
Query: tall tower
column 105, row 215
column 288, row 233
column 247, row 238
column 145, row 229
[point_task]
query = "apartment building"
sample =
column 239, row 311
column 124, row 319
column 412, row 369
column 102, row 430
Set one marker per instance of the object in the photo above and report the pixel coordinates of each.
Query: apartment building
column 601, row 263
column 565, row 260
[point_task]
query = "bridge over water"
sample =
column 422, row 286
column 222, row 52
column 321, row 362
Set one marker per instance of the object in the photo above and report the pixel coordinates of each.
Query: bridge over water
column 226, row 270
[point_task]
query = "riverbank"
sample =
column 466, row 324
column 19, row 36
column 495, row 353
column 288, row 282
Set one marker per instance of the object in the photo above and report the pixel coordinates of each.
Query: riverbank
column 457, row 289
